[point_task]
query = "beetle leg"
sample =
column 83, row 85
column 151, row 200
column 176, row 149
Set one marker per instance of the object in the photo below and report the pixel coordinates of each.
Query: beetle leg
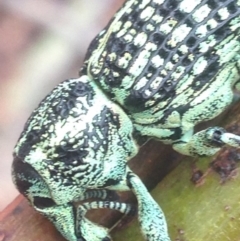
column 90, row 231
column 103, row 194
column 206, row 142
column 231, row 139
column 73, row 225
column 124, row 208
column 150, row 215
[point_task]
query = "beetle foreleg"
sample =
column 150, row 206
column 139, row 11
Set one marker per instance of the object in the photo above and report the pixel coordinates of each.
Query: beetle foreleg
column 124, row 208
column 150, row 215
column 103, row 194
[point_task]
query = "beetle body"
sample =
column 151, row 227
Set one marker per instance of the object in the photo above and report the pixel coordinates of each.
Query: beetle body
column 158, row 69
column 170, row 68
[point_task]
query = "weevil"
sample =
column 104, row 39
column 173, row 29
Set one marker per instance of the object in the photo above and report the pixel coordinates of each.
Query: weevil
column 158, row 69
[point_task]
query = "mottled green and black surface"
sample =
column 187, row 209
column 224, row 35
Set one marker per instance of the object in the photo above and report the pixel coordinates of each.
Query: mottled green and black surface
column 169, row 64
column 158, row 69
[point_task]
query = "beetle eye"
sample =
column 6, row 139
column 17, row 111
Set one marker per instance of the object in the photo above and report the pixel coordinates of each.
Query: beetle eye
column 43, row 202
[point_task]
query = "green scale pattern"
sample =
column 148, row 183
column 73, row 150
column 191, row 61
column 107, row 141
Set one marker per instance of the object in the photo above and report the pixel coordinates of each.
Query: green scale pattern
column 158, row 69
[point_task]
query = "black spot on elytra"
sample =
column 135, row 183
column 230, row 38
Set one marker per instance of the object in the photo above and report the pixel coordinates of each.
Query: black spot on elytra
column 191, row 42
column 157, row 38
column 117, row 46
column 163, row 12
column 151, row 69
column 134, row 16
column 163, row 53
column 139, row 24
column 132, row 49
column 178, row 15
column 212, row 4
column 232, row 8
column 221, row 33
column 190, row 23
column 186, row 61
column 171, row 4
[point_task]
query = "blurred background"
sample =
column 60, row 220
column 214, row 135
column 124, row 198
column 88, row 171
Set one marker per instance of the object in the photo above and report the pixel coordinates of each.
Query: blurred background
column 41, row 44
